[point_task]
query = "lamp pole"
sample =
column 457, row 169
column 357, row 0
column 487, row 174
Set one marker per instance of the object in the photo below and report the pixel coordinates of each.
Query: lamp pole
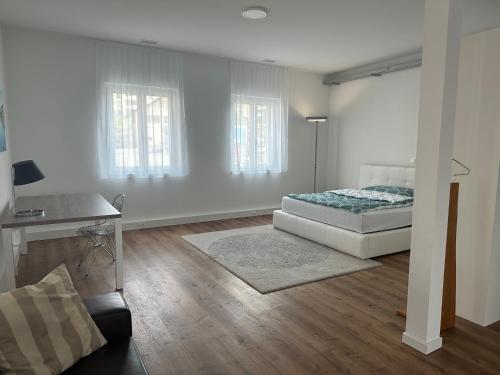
column 315, row 154
column 316, row 120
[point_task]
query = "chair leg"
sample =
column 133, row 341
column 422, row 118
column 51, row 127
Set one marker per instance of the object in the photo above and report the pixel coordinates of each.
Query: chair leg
column 90, row 260
column 109, row 247
column 106, row 243
column 112, row 245
column 111, row 240
column 84, row 253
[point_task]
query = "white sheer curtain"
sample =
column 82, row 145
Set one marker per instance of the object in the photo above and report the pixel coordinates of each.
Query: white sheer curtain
column 259, row 118
column 140, row 116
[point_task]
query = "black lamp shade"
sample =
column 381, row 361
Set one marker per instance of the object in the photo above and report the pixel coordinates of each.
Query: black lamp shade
column 26, row 172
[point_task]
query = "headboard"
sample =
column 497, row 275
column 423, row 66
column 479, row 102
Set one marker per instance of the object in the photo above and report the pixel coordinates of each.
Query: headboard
column 386, row 175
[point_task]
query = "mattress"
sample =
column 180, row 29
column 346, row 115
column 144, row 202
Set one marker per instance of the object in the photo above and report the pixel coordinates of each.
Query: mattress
column 364, row 222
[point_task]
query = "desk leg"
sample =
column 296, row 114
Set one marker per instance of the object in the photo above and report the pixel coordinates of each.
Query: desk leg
column 8, row 259
column 118, row 254
column 23, row 245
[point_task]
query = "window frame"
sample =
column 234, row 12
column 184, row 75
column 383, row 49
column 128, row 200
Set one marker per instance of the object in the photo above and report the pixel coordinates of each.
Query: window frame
column 253, row 101
column 142, row 92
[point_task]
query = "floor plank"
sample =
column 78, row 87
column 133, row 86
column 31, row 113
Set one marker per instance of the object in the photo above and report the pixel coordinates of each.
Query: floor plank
column 191, row 316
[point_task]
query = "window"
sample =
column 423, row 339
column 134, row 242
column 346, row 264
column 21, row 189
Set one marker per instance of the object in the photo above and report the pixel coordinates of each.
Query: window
column 253, row 132
column 258, row 118
column 141, row 122
column 141, row 125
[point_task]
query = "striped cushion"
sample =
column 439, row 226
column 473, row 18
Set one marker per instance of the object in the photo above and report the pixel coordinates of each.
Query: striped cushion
column 45, row 328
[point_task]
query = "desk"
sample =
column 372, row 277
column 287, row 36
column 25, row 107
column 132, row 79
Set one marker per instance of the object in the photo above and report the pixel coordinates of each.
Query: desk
column 63, row 208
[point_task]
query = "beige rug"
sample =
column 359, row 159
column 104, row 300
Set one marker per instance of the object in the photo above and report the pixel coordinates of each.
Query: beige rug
column 269, row 259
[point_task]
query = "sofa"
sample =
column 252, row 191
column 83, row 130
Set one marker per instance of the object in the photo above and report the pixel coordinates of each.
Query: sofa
column 120, row 355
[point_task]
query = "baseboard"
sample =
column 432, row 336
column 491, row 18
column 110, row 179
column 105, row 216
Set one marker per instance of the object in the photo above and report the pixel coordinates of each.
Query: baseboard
column 69, row 230
column 489, row 321
column 422, row 347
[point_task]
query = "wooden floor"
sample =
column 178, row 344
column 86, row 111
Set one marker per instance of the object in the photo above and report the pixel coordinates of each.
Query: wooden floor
column 191, row 316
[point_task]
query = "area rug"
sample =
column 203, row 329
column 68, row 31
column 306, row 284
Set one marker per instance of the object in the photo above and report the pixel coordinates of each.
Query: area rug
column 269, row 259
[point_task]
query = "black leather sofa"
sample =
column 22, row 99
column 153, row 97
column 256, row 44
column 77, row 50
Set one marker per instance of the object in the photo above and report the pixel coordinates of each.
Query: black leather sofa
column 120, row 355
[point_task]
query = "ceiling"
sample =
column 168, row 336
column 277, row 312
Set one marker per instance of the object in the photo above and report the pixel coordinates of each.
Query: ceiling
column 318, row 35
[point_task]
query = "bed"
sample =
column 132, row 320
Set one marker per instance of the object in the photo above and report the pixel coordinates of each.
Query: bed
column 364, row 235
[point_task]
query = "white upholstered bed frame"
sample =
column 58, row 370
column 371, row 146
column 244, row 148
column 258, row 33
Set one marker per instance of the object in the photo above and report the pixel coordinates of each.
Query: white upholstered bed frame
column 361, row 245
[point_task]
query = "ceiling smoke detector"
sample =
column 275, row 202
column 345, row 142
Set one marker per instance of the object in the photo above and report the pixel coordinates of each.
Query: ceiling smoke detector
column 255, row 13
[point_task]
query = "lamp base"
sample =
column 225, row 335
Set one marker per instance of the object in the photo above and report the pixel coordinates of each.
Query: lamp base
column 30, row 212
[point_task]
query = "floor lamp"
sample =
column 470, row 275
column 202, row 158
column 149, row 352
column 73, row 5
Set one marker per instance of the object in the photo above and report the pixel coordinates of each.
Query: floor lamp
column 316, row 120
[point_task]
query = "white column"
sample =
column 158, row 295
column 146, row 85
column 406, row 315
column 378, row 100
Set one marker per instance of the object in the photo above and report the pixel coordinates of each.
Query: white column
column 8, row 260
column 442, row 34
column 118, row 254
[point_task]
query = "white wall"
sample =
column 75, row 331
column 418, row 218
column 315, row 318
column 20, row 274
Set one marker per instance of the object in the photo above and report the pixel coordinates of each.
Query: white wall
column 5, row 164
column 51, row 79
column 374, row 121
column 477, row 144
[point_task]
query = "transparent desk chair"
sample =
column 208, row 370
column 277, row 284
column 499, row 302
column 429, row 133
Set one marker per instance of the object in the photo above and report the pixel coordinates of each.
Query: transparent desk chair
column 101, row 235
